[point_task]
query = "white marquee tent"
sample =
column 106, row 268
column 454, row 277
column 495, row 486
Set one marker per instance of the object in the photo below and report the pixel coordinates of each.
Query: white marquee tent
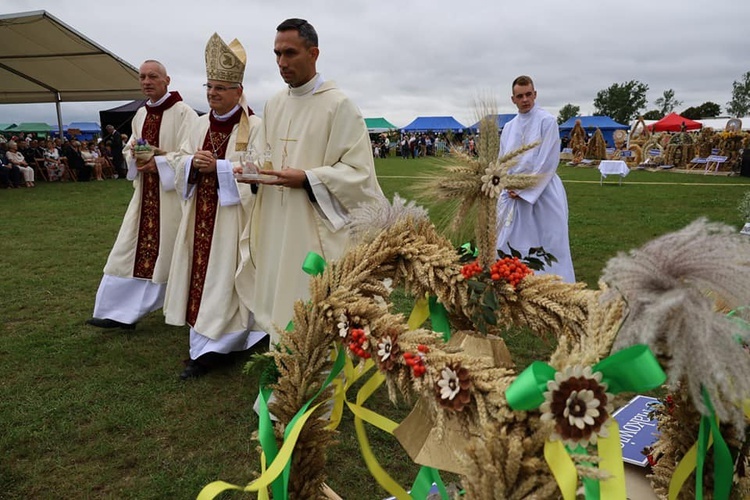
column 44, row 60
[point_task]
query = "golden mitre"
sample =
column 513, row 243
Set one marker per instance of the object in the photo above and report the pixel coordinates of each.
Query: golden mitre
column 225, row 62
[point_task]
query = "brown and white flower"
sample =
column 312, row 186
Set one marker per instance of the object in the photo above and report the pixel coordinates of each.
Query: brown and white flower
column 384, row 348
column 491, row 181
column 388, row 352
column 343, row 325
column 454, row 387
column 578, row 403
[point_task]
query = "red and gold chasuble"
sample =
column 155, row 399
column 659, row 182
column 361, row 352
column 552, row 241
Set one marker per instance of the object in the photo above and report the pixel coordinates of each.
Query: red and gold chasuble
column 206, row 205
column 147, row 247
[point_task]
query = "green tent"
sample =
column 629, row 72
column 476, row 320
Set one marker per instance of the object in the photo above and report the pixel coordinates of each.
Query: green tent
column 377, row 125
column 6, row 126
column 37, row 128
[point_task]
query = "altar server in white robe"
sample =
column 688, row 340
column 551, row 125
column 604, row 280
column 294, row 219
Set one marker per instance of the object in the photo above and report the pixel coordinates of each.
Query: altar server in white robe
column 537, row 216
column 201, row 290
column 136, row 272
column 322, row 170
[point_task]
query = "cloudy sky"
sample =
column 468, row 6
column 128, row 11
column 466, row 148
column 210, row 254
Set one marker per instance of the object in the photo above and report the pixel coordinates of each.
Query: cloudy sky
column 415, row 58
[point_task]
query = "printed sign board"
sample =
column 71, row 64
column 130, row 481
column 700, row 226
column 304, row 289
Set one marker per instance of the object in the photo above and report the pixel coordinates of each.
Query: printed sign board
column 637, row 430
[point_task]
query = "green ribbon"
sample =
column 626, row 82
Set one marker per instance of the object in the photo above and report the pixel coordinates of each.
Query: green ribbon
column 723, row 465
column 527, row 391
column 590, row 485
column 338, row 365
column 439, row 318
column 632, row 369
column 313, row 265
column 709, row 429
column 739, row 321
column 423, row 484
column 466, row 247
column 267, row 438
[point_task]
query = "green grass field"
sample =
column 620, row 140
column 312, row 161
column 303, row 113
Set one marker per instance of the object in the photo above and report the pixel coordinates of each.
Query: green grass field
column 93, row 414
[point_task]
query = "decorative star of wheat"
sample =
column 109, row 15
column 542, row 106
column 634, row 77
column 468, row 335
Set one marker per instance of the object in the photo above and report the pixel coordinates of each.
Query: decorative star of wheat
column 474, row 184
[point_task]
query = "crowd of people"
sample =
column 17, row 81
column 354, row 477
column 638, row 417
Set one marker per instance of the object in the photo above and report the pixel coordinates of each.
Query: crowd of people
column 25, row 157
column 421, row 145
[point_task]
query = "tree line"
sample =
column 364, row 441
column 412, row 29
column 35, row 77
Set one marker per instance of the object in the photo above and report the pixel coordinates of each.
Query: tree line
column 624, row 102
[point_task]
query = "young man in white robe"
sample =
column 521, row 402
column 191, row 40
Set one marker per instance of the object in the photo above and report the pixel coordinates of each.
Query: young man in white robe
column 136, row 272
column 537, row 216
column 201, row 291
column 322, row 169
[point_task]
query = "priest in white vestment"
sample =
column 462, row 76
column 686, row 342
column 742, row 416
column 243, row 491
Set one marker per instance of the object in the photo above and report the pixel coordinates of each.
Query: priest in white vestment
column 201, row 290
column 322, row 169
column 537, row 216
column 136, row 272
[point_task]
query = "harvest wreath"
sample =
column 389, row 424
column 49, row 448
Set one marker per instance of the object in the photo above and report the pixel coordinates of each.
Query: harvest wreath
column 659, row 315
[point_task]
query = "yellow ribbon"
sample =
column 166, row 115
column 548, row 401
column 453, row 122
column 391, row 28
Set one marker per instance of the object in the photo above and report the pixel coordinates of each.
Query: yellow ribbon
column 361, row 415
column 610, row 454
column 211, row 490
column 263, row 493
column 562, row 468
column 419, row 314
column 351, row 376
column 684, row 469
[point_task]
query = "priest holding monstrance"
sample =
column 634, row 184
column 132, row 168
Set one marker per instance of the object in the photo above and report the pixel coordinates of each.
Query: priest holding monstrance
column 201, row 289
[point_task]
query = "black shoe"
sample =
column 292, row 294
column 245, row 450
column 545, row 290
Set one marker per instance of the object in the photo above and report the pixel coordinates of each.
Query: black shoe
column 194, row 369
column 109, row 323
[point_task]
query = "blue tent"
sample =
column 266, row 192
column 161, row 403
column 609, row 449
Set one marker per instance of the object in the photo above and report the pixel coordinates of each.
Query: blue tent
column 501, row 121
column 590, row 123
column 434, row 124
column 88, row 130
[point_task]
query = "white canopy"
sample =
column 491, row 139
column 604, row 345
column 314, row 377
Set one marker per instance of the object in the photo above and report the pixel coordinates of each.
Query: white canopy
column 44, row 60
column 721, row 123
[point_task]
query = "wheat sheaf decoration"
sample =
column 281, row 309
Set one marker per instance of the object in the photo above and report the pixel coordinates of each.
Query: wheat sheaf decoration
column 472, row 184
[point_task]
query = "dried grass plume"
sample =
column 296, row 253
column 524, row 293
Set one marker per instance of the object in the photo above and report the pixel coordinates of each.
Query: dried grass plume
column 673, row 286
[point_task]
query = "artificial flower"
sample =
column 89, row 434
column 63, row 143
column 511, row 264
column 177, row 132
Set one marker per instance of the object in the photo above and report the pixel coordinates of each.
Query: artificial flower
column 491, row 181
column 453, row 387
column 384, row 348
column 578, row 403
column 343, row 325
column 388, row 351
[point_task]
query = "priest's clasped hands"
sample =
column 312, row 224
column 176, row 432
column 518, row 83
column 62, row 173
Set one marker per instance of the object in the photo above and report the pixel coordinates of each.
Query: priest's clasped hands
column 204, row 161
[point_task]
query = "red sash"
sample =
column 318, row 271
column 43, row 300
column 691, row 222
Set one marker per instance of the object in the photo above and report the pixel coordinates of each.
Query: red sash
column 206, row 206
column 147, row 246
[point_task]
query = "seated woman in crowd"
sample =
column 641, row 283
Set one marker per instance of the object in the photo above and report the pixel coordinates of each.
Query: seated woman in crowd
column 17, row 159
column 92, row 159
column 76, row 162
column 10, row 175
column 55, row 168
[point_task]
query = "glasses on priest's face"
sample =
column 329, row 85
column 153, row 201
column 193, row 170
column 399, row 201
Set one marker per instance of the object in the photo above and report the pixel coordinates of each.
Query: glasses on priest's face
column 218, row 88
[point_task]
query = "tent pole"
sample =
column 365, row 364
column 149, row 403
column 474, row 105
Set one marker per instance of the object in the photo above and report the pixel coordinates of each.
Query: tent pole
column 59, row 114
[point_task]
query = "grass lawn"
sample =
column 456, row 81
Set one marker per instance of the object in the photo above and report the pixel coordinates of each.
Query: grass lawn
column 93, row 414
